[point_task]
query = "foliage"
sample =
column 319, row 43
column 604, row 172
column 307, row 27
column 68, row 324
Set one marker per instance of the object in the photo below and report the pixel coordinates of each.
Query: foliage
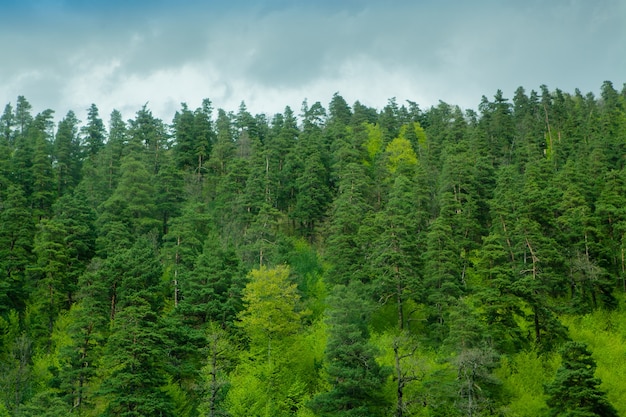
column 344, row 261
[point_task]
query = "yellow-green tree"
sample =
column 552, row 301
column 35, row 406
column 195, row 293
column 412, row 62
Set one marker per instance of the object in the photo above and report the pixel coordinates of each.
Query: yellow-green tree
column 271, row 311
column 268, row 381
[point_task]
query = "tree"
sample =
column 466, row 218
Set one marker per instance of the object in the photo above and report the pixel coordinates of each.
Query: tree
column 214, row 373
column 347, row 213
column 64, row 245
column 271, row 319
column 147, row 134
column 44, row 404
column 395, row 234
column 23, row 116
column 42, row 176
column 67, row 159
column 16, row 244
column 211, row 292
column 16, row 375
column 313, row 195
column 7, row 126
column 131, row 210
column 355, row 378
column 271, row 307
column 574, row 391
column 194, row 137
column 134, row 359
column 93, row 132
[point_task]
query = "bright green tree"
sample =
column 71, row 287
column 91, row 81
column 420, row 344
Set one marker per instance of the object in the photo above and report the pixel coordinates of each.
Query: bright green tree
column 271, row 307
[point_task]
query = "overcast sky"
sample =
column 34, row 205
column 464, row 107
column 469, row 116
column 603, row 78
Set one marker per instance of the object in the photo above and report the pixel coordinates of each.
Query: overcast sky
column 67, row 54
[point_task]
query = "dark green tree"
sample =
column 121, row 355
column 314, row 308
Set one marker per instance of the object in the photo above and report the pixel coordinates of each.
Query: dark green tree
column 67, row 158
column 313, row 194
column 94, row 133
column 16, row 249
column 7, row 126
column 396, row 234
column 43, row 186
column 212, row 291
column 354, row 376
column 348, row 211
column 23, row 117
column 574, row 391
column 135, row 357
column 135, row 354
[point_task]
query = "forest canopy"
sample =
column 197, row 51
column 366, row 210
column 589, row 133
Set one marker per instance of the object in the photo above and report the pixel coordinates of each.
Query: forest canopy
column 342, row 261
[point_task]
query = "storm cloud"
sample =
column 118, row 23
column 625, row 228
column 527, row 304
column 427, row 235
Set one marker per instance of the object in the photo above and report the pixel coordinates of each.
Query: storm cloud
column 67, row 54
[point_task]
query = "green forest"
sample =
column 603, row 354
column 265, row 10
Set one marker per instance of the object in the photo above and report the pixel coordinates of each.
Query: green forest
column 340, row 260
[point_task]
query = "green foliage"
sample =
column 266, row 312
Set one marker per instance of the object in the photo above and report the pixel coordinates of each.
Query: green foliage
column 574, row 391
column 524, row 376
column 45, row 404
column 355, row 377
column 134, row 378
column 400, row 155
column 271, row 307
column 452, row 252
column 603, row 333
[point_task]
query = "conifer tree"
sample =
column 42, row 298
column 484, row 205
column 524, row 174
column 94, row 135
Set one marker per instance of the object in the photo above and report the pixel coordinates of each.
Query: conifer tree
column 16, row 244
column 575, row 391
column 355, row 378
column 134, row 359
column 67, row 154
column 94, row 133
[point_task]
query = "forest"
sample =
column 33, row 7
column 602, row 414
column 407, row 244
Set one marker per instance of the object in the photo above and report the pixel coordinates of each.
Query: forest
column 342, row 261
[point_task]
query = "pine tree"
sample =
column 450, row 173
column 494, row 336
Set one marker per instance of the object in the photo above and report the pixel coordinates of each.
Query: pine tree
column 67, row 156
column 396, row 235
column 134, row 359
column 355, row 378
column 94, row 134
column 574, row 391
column 211, row 292
column 16, row 244
column 43, row 186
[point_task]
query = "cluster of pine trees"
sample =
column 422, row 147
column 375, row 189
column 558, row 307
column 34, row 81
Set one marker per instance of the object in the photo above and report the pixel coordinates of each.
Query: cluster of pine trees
column 347, row 261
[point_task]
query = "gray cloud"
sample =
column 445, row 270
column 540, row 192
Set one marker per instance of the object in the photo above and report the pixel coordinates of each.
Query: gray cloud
column 277, row 53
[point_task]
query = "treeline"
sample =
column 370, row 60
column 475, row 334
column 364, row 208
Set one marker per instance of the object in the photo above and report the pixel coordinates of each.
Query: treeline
column 344, row 261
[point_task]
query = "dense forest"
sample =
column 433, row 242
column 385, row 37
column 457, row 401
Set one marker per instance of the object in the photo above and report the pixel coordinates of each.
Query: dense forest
column 343, row 261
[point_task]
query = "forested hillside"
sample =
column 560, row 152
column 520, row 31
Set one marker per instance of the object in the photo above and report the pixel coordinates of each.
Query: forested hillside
column 338, row 261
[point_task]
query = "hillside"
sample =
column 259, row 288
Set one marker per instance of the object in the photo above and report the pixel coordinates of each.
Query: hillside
column 343, row 261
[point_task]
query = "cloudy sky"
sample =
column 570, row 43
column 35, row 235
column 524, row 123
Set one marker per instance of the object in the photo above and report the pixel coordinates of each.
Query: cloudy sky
column 67, row 54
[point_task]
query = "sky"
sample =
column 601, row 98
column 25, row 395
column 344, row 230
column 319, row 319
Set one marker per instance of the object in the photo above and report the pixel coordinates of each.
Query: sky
column 66, row 54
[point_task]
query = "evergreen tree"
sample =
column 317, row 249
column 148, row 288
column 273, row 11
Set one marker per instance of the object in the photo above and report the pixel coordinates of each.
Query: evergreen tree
column 575, row 391
column 395, row 235
column 94, row 133
column 134, row 358
column 67, row 154
column 211, row 292
column 7, row 126
column 355, row 378
column 23, row 117
column 43, row 184
column 345, row 251
column 135, row 380
column 16, row 244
